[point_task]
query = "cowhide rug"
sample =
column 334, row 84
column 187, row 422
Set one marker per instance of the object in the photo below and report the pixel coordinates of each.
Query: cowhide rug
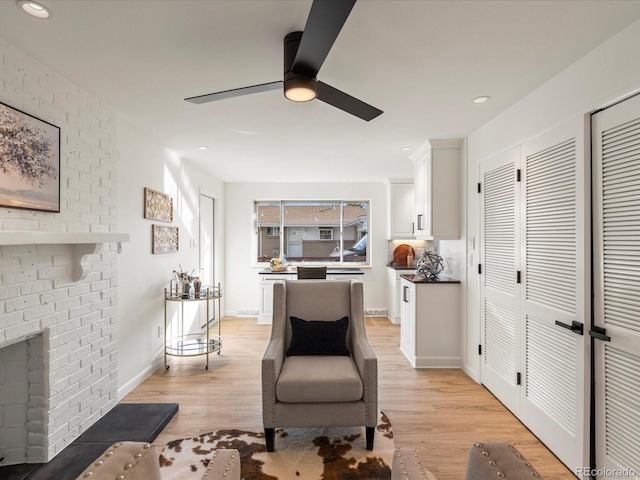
column 333, row 453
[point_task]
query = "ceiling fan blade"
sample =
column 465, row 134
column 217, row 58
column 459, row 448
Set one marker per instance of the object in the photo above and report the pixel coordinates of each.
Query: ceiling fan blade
column 324, row 23
column 236, row 92
column 346, row 102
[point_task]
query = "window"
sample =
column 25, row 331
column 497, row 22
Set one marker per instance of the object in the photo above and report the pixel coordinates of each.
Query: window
column 322, row 232
column 325, row 233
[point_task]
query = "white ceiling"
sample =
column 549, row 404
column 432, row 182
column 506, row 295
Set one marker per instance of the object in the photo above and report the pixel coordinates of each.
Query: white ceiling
column 421, row 62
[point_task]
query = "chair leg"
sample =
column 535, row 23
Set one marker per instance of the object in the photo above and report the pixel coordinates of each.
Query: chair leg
column 370, row 431
column 269, row 437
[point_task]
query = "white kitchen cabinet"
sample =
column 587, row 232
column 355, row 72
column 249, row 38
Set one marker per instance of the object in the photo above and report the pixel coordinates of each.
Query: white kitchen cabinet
column 408, row 319
column 265, row 316
column 436, row 187
column 400, row 209
column 430, row 325
column 394, row 293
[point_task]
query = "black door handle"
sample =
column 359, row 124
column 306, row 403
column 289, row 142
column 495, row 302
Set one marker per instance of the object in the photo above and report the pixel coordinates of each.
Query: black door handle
column 600, row 333
column 420, row 221
column 404, row 293
column 575, row 327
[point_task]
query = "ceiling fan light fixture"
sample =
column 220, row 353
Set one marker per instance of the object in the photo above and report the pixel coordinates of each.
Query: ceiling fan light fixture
column 34, row 9
column 300, row 89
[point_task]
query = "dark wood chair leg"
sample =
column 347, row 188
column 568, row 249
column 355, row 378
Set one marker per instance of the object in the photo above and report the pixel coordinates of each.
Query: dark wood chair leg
column 269, row 437
column 370, row 433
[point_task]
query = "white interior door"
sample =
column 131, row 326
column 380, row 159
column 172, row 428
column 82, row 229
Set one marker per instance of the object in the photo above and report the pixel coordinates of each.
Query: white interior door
column 535, row 279
column 616, row 264
column 555, row 305
column 500, row 294
column 206, row 240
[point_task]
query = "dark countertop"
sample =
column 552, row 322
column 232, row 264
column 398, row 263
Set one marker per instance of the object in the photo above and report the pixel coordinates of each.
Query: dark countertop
column 401, row 268
column 418, row 279
column 330, row 271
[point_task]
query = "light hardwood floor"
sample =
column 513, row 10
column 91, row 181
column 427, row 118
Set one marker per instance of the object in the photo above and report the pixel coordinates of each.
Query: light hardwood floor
column 440, row 413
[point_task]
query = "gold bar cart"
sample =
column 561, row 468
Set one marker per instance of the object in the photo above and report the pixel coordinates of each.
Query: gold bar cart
column 192, row 344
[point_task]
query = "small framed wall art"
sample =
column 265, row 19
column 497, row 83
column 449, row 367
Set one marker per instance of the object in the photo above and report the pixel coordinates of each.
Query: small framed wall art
column 158, row 206
column 29, row 161
column 164, row 239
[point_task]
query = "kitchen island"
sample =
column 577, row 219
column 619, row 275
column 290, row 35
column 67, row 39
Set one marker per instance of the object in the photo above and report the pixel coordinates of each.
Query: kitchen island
column 267, row 277
column 430, row 330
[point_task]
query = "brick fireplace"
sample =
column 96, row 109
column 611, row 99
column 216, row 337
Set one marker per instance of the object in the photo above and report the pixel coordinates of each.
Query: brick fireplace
column 58, row 349
column 58, row 334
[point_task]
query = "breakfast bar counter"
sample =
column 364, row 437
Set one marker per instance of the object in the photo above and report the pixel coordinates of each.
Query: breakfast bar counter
column 330, row 271
column 267, row 277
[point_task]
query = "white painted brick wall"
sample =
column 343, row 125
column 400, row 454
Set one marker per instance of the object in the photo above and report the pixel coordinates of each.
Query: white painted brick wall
column 78, row 321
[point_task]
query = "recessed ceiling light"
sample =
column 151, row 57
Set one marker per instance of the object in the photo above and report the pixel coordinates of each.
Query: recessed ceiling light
column 481, row 99
column 405, row 149
column 34, row 9
column 203, row 147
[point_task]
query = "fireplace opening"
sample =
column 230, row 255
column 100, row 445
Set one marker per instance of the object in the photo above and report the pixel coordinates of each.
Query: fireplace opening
column 22, row 402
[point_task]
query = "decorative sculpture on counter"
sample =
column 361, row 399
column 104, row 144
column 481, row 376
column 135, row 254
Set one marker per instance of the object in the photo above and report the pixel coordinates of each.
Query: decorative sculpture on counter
column 429, row 265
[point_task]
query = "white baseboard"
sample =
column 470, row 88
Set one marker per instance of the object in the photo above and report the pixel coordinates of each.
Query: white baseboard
column 438, row 362
column 128, row 387
column 432, row 362
column 472, row 373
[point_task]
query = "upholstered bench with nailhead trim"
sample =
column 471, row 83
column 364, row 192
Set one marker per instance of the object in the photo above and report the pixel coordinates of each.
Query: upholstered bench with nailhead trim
column 406, row 466
column 487, row 461
column 498, row 460
column 139, row 461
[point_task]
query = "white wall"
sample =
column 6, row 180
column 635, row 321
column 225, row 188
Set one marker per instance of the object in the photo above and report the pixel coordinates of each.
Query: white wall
column 605, row 75
column 144, row 162
column 242, row 285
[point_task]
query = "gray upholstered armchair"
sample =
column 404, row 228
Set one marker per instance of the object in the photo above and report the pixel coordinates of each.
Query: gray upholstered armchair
column 318, row 387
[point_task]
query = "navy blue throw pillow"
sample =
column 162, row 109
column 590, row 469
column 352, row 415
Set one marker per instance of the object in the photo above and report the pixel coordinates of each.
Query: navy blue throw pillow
column 315, row 337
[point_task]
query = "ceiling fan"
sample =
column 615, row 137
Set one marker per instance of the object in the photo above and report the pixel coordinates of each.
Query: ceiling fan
column 304, row 54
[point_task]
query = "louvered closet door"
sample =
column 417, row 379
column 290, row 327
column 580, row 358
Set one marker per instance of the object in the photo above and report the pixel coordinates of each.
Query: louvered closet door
column 616, row 206
column 554, row 393
column 500, row 293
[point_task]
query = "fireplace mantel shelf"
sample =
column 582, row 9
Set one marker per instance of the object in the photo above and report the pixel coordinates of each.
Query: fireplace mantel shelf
column 84, row 243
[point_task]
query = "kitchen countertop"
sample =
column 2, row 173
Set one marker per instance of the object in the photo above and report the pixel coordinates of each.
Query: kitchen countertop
column 418, row 279
column 330, row 271
column 401, row 267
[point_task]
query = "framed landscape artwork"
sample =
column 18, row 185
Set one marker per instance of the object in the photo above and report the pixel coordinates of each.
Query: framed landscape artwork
column 164, row 239
column 29, row 161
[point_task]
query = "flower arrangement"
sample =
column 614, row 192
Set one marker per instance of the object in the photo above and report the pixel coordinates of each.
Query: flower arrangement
column 277, row 265
column 275, row 262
